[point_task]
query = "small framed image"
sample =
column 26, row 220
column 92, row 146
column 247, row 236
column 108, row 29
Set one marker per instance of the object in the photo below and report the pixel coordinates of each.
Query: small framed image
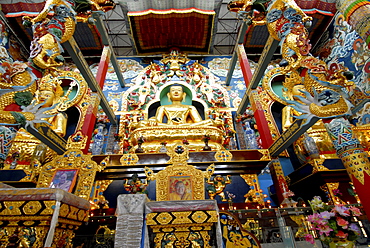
column 180, row 188
column 366, row 119
column 64, row 179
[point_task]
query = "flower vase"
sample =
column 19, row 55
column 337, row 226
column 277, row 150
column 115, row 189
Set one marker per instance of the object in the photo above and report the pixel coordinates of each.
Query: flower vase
column 341, row 243
column 116, row 147
column 98, row 144
column 206, row 147
column 139, row 149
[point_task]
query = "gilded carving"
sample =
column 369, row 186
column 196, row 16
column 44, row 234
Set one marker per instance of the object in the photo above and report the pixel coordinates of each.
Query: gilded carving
column 32, row 207
column 72, row 159
column 164, row 218
column 12, row 208
column 64, row 210
column 201, row 108
column 254, row 194
column 181, row 217
column 223, row 156
column 265, row 154
column 302, row 225
column 72, row 213
column 199, row 216
column 129, row 159
column 329, row 189
column 179, row 169
column 217, row 185
column 100, row 186
column 317, row 165
column 49, row 208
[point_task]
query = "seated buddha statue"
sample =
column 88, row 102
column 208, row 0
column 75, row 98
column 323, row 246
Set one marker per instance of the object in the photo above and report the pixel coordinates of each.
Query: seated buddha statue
column 49, row 94
column 177, row 113
column 176, row 121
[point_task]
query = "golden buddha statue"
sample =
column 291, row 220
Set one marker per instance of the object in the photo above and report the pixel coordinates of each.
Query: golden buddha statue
column 49, row 94
column 175, row 121
column 178, row 113
column 288, row 112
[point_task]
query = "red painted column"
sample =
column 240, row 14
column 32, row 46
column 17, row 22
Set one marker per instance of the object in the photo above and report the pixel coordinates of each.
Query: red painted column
column 259, row 114
column 244, row 64
column 90, row 119
column 278, row 179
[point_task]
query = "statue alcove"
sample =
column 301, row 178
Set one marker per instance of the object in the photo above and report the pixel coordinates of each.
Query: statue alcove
column 69, row 101
column 73, row 117
column 191, row 129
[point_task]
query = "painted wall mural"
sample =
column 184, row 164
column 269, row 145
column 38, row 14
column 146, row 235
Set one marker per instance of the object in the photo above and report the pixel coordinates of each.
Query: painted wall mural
column 341, row 45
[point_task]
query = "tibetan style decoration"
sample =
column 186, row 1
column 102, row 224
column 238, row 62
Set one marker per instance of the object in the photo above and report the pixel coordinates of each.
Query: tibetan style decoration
column 74, row 161
column 321, row 92
column 216, row 186
column 135, row 185
column 223, row 156
column 349, row 150
column 129, row 159
column 49, row 217
column 6, row 137
column 233, row 235
column 174, row 100
column 179, row 181
column 50, row 33
column 254, row 194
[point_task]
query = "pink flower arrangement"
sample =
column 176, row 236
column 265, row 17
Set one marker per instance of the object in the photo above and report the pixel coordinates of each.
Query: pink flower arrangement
column 333, row 222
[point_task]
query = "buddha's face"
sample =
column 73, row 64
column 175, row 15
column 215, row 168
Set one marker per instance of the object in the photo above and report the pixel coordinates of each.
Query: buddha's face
column 47, row 97
column 176, row 93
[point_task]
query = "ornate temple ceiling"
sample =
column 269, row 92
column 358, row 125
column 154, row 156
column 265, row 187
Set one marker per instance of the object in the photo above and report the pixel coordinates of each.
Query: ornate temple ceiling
column 147, row 27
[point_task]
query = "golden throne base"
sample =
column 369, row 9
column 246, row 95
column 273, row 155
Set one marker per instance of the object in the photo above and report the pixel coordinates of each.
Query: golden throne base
column 173, row 135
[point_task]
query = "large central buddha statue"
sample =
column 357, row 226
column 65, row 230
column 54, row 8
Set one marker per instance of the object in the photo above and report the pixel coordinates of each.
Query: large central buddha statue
column 177, row 113
column 175, row 122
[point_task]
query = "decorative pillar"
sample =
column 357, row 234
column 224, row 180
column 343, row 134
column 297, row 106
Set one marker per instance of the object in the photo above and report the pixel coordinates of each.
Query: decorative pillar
column 90, row 119
column 262, row 123
column 278, row 178
column 353, row 156
column 244, row 65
